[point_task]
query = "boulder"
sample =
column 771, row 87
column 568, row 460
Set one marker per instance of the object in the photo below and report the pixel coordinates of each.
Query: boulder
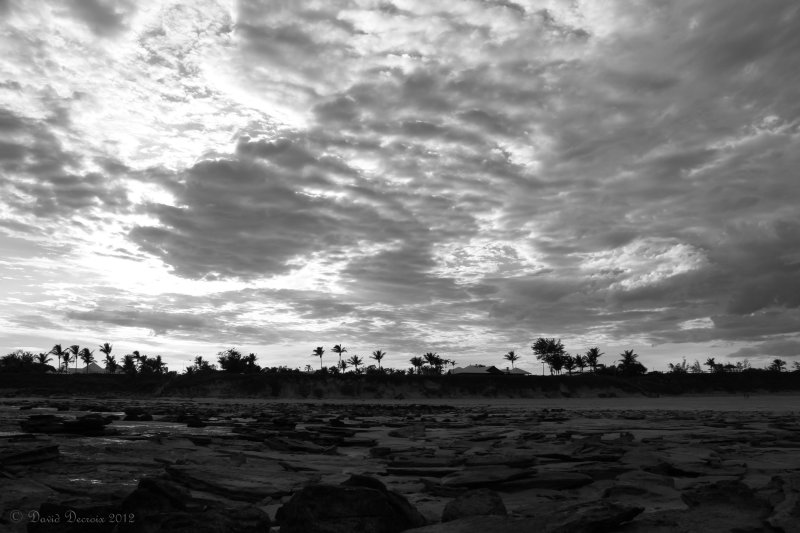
column 44, row 423
column 360, row 504
column 159, row 504
column 91, row 424
column 479, row 502
column 785, row 498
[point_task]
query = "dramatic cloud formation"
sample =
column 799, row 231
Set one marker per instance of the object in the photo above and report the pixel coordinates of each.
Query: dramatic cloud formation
column 178, row 177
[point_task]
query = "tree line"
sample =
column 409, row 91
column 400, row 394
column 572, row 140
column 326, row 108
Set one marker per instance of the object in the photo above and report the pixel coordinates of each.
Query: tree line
column 549, row 351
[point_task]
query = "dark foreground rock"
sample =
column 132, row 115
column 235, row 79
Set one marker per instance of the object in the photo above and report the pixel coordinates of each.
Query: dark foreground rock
column 474, row 503
column 160, row 504
column 360, row 504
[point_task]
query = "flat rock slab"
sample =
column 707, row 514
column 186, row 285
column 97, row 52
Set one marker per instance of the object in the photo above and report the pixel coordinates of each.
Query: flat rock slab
column 235, row 483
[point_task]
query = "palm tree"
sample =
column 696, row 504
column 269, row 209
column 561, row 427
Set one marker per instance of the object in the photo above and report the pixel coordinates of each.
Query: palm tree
column 550, row 351
column 511, row 357
column 111, row 364
column 340, row 350
column 356, row 361
column 318, row 351
column 592, row 355
column 87, row 357
column 777, row 365
column 711, row 364
column 417, row 363
column 106, row 349
column 629, row 364
column 378, row 355
column 129, row 365
column 66, row 358
column 43, row 358
column 59, row 353
column 435, row 362
column 679, row 368
column 580, row 362
column 75, row 349
column 569, row 363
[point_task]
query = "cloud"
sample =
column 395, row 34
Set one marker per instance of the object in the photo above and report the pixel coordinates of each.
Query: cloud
column 258, row 214
column 456, row 177
column 780, row 347
column 160, row 323
column 102, row 17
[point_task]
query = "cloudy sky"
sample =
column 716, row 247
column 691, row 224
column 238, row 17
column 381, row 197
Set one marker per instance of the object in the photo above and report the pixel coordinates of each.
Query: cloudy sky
column 404, row 175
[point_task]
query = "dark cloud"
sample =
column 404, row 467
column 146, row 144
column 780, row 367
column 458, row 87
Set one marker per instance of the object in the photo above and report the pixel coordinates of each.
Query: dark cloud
column 39, row 178
column 781, row 347
column 103, row 17
column 251, row 218
column 159, row 322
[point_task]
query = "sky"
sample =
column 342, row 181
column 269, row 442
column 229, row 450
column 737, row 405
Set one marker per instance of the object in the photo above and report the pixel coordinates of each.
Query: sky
column 179, row 178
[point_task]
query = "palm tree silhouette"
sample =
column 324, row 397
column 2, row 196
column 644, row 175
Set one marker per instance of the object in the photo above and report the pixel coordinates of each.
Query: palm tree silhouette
column 87, row 357
column 629, row 364
column 569, row 363
column 106, row 349
column 43, row 358
column 511, row 357
column 356, row 361
column 435, row 362
column 417, row 363
column 777, row 365
column 59, row 353
column 75, row 349
column 318, row 351
column 592, row 355
column 111, row 364
column 340, row 350
column 378, row 355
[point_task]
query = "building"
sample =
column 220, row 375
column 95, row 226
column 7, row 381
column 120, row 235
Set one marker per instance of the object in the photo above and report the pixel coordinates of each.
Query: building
column 94, row 368
column 476, row 370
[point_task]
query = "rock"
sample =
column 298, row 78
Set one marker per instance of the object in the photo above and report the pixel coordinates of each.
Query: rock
column 414, row 431
column 650, row 497
column 194, row 422
column 483, row 524
column 43, row 424
column 477, row 502
column 91, row 425
column 590, row 518
column 380, row 451
column 786, row 503
column 135, row 414
column 236, row 483
column 514, row 479
column 161, row 505
column 481, row 477
column 25, row 455
column 360, row 504
column 156, row 495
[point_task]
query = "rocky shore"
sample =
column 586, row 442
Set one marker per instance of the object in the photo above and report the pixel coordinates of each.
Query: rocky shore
column 117, row 465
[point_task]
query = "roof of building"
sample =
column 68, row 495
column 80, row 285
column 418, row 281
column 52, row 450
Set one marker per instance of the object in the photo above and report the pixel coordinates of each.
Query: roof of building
column 476, row 369
column 94, row 368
